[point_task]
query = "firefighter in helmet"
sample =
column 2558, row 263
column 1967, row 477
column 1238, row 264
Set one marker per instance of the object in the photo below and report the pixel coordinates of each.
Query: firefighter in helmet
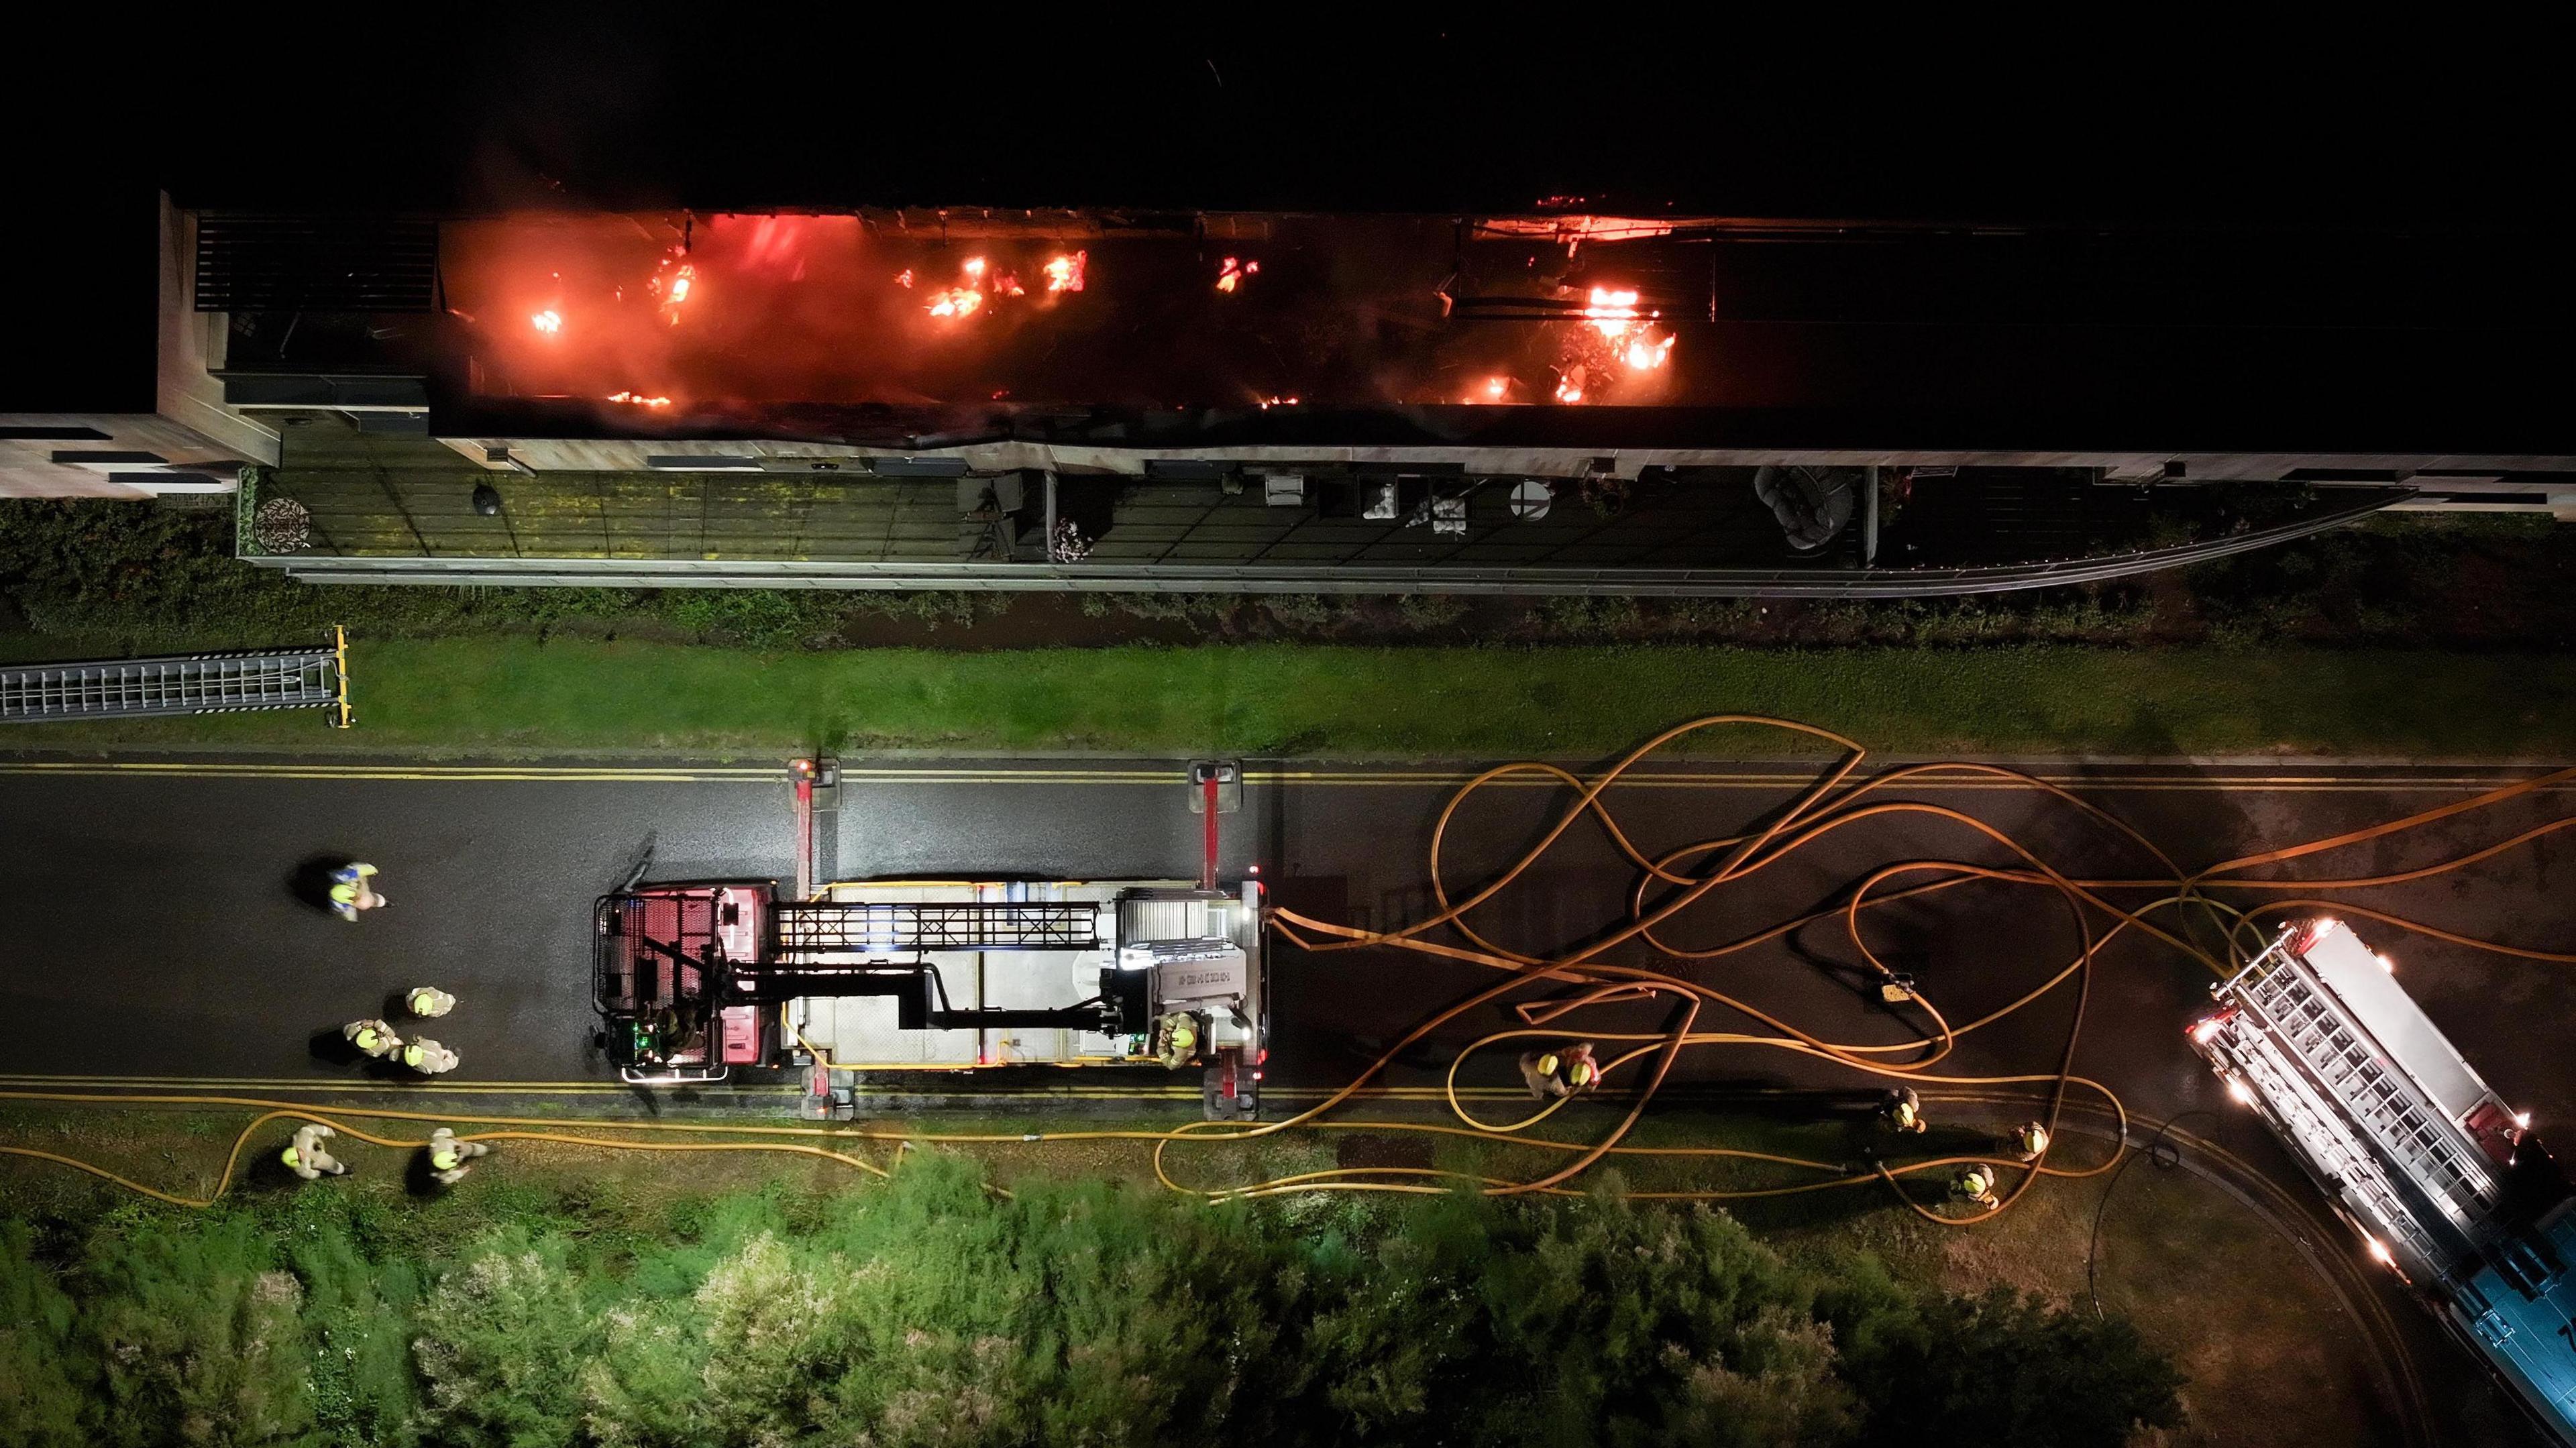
column 1176, row 1039
column 428, row 1057
column 427, row 1001
column 448, row 1156
column 1975, row 1183
column 2030, row 1141
column 1901, row 1111
column 373, row 1038
column 351, row 890
column 1560, row 1072
column 305, row 1157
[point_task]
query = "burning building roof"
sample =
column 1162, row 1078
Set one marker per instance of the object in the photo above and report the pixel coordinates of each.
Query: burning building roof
column 706, row 317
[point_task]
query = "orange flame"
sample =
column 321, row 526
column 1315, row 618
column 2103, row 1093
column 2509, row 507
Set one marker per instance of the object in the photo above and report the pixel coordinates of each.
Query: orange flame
column 1064, row 273
column 1644, row 355
column 974, row 267
column 955, row 302
column 1614, row 311
column 1232, row 273
column 548, row 321
column 1628, row 336
column 678, row 292
column 904, row 279
column 636, row 400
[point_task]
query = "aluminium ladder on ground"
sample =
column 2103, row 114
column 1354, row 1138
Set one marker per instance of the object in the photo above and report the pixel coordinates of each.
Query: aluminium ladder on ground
column 212, row 683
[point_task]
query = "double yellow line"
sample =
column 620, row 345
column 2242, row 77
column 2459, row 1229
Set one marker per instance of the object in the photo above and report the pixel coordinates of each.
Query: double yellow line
column 222, row 1085
column 1353, row 778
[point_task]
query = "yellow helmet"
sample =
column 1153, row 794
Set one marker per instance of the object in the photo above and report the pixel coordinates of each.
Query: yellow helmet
column 1581, row 1073
column 1547, row 1063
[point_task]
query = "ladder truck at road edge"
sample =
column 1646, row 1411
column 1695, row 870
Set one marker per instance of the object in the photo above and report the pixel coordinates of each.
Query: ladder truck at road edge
column 2447, row 1185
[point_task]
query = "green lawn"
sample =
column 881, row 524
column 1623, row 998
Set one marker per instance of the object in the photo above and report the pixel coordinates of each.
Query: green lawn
column 519, row 695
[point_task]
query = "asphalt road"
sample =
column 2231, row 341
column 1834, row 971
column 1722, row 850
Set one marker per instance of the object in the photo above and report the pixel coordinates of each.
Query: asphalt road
column 158, row 940
column 158, row 936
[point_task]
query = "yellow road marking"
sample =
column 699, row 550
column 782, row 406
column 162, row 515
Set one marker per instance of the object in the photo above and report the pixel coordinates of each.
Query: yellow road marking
column 220, row 1085
column 1312, row 778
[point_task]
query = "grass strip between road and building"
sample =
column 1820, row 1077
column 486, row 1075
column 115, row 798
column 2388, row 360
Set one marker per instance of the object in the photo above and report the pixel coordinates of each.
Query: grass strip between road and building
column 523, row 695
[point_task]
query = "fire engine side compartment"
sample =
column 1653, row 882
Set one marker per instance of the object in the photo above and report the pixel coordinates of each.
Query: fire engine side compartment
column 1016, row 989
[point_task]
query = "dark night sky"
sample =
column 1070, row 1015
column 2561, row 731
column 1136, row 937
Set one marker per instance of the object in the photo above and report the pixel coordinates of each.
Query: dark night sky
column 1006, row 107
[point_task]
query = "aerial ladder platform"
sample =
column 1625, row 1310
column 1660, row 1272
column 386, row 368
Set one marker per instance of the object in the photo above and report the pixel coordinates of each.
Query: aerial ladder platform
column 2445, row 1183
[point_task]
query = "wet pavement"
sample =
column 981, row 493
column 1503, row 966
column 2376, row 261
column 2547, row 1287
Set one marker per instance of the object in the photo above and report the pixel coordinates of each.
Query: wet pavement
column 163, row 937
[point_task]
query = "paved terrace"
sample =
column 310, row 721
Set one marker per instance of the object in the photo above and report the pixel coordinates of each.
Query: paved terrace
column 378, row 497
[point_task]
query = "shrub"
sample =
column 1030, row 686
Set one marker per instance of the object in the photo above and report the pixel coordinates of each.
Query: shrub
column 198, row 1334
column 1430, row 610
column 930, row 1311
column 1298, row 610
column 2004, row 1368
column 503, row 1338
column 41, row 1383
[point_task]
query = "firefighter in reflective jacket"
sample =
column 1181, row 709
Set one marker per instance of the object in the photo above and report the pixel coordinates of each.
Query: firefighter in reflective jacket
column 1560, row 1072
column 428, row 1057
column 374, row 1038
column 1176, row 1038
column 351, row 892
column 2030, row 1141
column 1901, row 1111
column 428, row 1001
column 448, row 1156
column 306, row 1158
column 1976, row 1184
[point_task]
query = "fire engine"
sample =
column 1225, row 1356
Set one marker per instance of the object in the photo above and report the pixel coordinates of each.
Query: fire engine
column 2445, row 1183
column 695, row 981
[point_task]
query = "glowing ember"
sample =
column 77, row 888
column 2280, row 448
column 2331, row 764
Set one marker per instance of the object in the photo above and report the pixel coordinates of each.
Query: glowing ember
column 632, row 399
column 904, row 279
column 1645, row 356
column 955, row 302
column 1268, row 403
column 1613, row 311
column 1008, row 285
column 1064, row 273
column 1617, row 332
column 1232, row 273
column 680, row 284
column 548, row 321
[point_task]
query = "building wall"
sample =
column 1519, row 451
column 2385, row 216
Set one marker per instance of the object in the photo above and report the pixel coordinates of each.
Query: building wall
column 191, row 350
column 108, row 455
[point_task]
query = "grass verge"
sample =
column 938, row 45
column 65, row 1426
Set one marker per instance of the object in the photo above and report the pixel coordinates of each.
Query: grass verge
column 546, row 1300
column 523, row 695
column 2267, row 1358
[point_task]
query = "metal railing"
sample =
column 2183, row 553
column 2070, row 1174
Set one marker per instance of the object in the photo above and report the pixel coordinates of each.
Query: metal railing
column 1105, row 576
column 213, row 683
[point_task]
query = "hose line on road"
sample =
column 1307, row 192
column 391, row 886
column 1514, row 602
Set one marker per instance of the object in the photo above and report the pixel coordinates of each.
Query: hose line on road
column 1677, row 881
column 1672, row 888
